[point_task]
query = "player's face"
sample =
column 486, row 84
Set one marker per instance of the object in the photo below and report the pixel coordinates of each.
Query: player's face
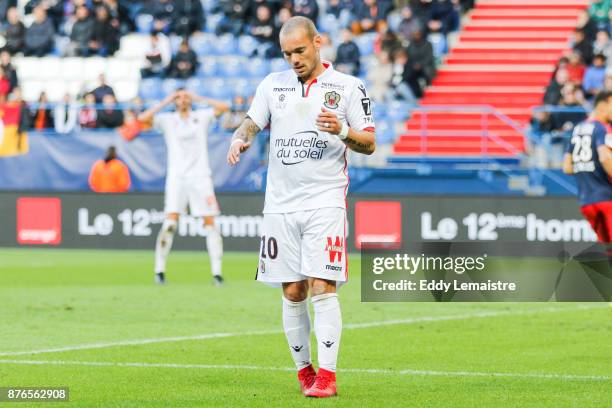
column 301, row 52
column 609, row 109
column 183, row 101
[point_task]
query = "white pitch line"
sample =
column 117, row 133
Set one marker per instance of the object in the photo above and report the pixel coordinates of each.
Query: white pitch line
column 408, row 372
column 349, row 326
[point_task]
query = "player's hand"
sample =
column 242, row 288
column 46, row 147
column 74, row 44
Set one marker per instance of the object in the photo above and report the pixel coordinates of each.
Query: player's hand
column 328, row 122
column 170, row 98
column 236, row 149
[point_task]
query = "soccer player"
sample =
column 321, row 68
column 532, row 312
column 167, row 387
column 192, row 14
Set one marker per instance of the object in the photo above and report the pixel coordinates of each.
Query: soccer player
column 589, row 158
column 315, row 113
column 188, row 178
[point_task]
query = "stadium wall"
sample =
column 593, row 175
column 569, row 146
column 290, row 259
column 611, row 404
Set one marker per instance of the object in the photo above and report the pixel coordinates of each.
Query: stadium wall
column 131, row 221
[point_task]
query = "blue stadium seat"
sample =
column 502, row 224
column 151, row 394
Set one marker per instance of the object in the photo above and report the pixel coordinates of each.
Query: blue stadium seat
column 219, row 88
column 385, row 132
column 398, row 110
column 379, row 110
column 175, row 42
column 202, row 44
column 246, row 45
column 278, row 64
column 144, row 23
column 150, row 89
column 209, row 67
column 170, row 85
column 239, row 86
column 197, row 85
column 257, row 67
column 212, row 21
column 225, row 45
column 232, row 67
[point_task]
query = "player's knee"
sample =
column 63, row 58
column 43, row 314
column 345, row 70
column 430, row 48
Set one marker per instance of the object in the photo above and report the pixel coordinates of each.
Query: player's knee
column 321, row 286
column 295, row 291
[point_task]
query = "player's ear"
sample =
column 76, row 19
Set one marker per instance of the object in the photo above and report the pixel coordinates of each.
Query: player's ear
column 317, row 42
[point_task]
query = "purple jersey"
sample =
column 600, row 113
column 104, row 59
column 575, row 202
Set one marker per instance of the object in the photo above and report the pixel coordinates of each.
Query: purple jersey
column 593, row 182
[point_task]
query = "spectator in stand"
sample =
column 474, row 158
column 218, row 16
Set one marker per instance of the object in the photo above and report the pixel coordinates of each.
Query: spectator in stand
column 162, row 11
column 9, row 71
column 233, row 118
column 105, row 35
column 42, row 116
column 306, row 8
column 5, row 5
column 39, row 36
column 603, row 45
column 575, row 68
column 348, row 55
column 386, row 40
column 422, row 66
column 442, row 16
column 185, row 62
column 265, row 32
column 552, row 96
column 110, row 116
column 102, row 89
column 54, row 9
column 409, row 24
column 327, row 50
column 586, row 24
column 341, row 10
column 600, row 11
column 109, row 175
column 368, row 15
column 81, row 33
column 88, row 115
column 594, row 76
column 157, row 56
column 284, row 14
column 119, row 13
column 403, row 81
column 14, row 32
column 187, row 18
column 572, row 98
column 5, row 86
column 584, row 46
column 379, row 77
column 234, row 16
column 65, row 115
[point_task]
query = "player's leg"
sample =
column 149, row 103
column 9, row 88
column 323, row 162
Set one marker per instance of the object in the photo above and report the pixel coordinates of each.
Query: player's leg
column 325, row 264
column 203, row 203
column 175, row 201
column 279, row 265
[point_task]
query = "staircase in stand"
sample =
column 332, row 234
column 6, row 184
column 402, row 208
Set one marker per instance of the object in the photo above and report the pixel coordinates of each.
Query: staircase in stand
column 504, row 59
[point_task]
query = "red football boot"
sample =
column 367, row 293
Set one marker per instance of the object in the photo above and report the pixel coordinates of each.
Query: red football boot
column 306, row 377
column 324, row 386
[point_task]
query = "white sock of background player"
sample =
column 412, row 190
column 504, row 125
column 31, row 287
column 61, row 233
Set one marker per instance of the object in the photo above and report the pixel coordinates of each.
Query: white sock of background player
column 296, row 322
column 327, row 327
column 214, row 244
column 163, row 244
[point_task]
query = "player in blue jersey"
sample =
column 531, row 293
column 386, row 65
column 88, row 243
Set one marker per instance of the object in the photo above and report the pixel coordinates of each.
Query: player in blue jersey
column 589, row 159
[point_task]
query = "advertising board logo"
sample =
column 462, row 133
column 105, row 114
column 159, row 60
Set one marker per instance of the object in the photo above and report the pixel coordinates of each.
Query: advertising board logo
column 335, row 248
column 378, row 224
column 39, row 221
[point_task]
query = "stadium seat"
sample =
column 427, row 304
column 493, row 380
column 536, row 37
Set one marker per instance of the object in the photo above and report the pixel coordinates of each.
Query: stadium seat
column 72, row 68
column 74, row 88
column 208, row 67
column 246, row 45
column 212, row 21
column 120, row 69
column 151, row 89
column 31, row 90
column 219, row 88
column 27, row 67
column 55, row 90
column 170, row 85
column 278, row 64
column 133, row 46
column 94, row 66
column 232, row 67
column 239, row 86
column 257, row 67
column 197, row 85
column 175, row 42
column 144, row 23
column 60, row 46
column 225, row 45
column 202, row 44
column 385, row 133
column 125, row 90
column 398, row 110
column 49, row 68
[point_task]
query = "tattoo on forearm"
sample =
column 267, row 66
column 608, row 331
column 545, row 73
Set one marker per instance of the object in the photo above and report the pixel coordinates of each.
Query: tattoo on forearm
column 247, row 130
column 358, row 146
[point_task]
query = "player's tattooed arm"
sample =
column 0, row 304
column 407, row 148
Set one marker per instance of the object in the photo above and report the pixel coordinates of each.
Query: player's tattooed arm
column 241, row 141
column 361, row 141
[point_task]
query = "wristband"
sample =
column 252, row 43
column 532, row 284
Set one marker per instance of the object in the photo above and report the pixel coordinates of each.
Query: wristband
column 343, row 132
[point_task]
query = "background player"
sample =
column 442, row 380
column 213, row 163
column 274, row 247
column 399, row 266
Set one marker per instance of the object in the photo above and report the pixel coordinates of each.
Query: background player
column 314, row 113
column 589, row 158
column 188, row 178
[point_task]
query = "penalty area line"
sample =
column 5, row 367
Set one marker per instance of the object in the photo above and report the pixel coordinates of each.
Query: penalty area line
column 348, row 326
column 407, row 372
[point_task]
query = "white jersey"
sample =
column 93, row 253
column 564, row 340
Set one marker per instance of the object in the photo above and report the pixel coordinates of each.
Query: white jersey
column 307, row 168
column 186, row 142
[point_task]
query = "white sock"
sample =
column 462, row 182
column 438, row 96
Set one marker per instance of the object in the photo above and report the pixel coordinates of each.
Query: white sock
column 163, row 244
column 328, row 328
column 296, row 322
column 214, row 244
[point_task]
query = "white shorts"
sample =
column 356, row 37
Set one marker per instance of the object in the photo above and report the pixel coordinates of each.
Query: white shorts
column 199, row 195
column 304, row 244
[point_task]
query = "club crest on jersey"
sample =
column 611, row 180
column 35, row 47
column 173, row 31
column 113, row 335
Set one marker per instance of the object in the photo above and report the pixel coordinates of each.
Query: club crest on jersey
column 332, row 99
column 335, row 248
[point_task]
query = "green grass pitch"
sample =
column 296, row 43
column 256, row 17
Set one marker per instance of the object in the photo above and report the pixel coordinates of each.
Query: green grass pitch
column 93, row 320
